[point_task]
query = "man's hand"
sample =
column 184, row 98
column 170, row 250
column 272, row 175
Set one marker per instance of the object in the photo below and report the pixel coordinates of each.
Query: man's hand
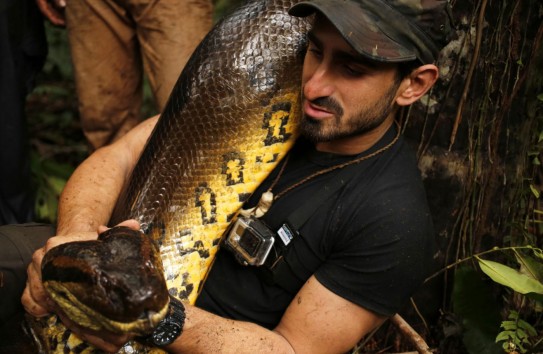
column 37, row 303
column 53, row 10
column 131, row 223
column 35, row 299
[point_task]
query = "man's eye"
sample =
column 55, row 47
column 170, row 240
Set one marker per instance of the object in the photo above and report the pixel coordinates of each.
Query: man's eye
column 314, row 51
column 353, row 71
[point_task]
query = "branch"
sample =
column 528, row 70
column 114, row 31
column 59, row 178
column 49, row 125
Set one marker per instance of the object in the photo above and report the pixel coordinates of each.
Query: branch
column 474, row 60
column 459, row 261
column 411, row 334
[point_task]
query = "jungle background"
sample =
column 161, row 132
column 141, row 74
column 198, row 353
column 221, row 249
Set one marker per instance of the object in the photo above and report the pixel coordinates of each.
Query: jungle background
column 479, row 138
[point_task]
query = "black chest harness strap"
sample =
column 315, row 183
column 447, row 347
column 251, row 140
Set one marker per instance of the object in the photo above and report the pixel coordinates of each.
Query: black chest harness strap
column 284, row 268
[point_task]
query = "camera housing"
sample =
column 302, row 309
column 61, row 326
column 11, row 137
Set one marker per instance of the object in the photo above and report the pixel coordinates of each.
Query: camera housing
column 250, row 240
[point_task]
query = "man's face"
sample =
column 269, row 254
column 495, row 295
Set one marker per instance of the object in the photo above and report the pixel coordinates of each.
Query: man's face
column 344, row 95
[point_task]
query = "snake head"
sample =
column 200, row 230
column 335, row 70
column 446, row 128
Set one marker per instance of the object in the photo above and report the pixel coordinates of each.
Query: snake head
column 114, row 283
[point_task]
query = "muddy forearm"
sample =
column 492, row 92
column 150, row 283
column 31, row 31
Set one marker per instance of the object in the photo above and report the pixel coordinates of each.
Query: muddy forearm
column 207, row 333
column 90, row 194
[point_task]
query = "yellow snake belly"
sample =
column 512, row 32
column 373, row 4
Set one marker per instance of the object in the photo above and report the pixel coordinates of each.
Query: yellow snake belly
column 230, row 119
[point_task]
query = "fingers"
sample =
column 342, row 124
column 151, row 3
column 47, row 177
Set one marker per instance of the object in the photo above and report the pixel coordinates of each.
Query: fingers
column 131, row 223
column 59, row 3
column 33, row 307
column 53, row 11
column 102, row 228
column 35, row 299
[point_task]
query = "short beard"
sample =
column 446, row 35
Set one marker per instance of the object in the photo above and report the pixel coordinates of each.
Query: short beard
column 366, row 120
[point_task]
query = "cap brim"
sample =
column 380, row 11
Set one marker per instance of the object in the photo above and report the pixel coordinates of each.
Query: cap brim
column 362, row 30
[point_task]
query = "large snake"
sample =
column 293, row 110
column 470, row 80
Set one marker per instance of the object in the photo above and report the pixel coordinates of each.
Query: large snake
column 230, row 119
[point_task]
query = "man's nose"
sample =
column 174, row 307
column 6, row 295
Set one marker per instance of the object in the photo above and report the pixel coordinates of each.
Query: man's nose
column 319, row 84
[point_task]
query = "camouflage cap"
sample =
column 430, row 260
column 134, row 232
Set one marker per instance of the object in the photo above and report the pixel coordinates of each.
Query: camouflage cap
column 387, row 30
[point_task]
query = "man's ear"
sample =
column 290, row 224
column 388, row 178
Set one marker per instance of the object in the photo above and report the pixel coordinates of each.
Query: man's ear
column 414, row 86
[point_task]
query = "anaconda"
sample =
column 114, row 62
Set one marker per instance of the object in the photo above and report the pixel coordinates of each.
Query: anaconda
column 230, row 119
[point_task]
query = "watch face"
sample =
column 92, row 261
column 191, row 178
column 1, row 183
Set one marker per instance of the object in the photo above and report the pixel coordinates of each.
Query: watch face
column 166, row 333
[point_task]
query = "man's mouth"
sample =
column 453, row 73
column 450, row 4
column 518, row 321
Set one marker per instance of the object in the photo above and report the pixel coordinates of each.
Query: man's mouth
column 316, row 111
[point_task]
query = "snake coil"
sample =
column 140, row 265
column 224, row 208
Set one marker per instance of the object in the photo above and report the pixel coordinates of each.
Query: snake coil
column 230, row 119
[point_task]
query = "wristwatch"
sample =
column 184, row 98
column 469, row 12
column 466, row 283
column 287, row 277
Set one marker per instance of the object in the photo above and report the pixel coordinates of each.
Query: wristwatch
column 171, row 326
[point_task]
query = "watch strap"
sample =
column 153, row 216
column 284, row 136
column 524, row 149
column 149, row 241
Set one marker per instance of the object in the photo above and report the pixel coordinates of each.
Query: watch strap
column 175, row 316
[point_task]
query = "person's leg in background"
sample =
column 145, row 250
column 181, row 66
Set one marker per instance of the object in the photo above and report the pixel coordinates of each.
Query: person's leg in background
column 107, row 68
column 168, row 32
column 23, row 49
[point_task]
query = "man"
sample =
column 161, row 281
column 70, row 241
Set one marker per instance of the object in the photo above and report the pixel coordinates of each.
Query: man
column 362, row 252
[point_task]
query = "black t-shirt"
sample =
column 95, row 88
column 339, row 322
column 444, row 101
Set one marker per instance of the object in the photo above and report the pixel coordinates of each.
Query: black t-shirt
column 371, row 243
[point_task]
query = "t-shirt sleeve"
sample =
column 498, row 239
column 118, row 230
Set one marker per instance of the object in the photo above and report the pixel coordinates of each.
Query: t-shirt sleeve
column 383, row 251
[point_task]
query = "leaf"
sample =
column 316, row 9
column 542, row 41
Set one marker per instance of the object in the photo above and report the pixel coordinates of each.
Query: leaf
column 56, row 184
column 531, row 332
column 540, row 97
column 505, row 335
column 510, row 277
column 509, row 325
column 534, row 191
column 521, row 334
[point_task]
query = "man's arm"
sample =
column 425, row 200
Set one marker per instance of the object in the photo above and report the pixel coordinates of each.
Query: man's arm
column 86, row 203
column 317, row 321
column 90, row 195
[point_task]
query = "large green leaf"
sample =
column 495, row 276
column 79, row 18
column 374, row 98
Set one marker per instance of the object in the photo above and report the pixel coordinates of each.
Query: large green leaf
column 510, row 277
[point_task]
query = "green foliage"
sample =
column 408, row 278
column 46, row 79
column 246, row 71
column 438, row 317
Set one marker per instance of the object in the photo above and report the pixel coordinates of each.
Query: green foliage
column 50, row 178
column 59, row 62
column 516, row 335
column 475, row 302
column 521, row 282
column 57, row 144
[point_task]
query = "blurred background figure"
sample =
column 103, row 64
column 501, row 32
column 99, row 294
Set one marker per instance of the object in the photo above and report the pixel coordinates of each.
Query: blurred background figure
column 112, row 42
column 23, row 49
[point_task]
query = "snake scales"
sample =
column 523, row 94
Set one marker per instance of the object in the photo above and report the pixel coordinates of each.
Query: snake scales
column 229, row 120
